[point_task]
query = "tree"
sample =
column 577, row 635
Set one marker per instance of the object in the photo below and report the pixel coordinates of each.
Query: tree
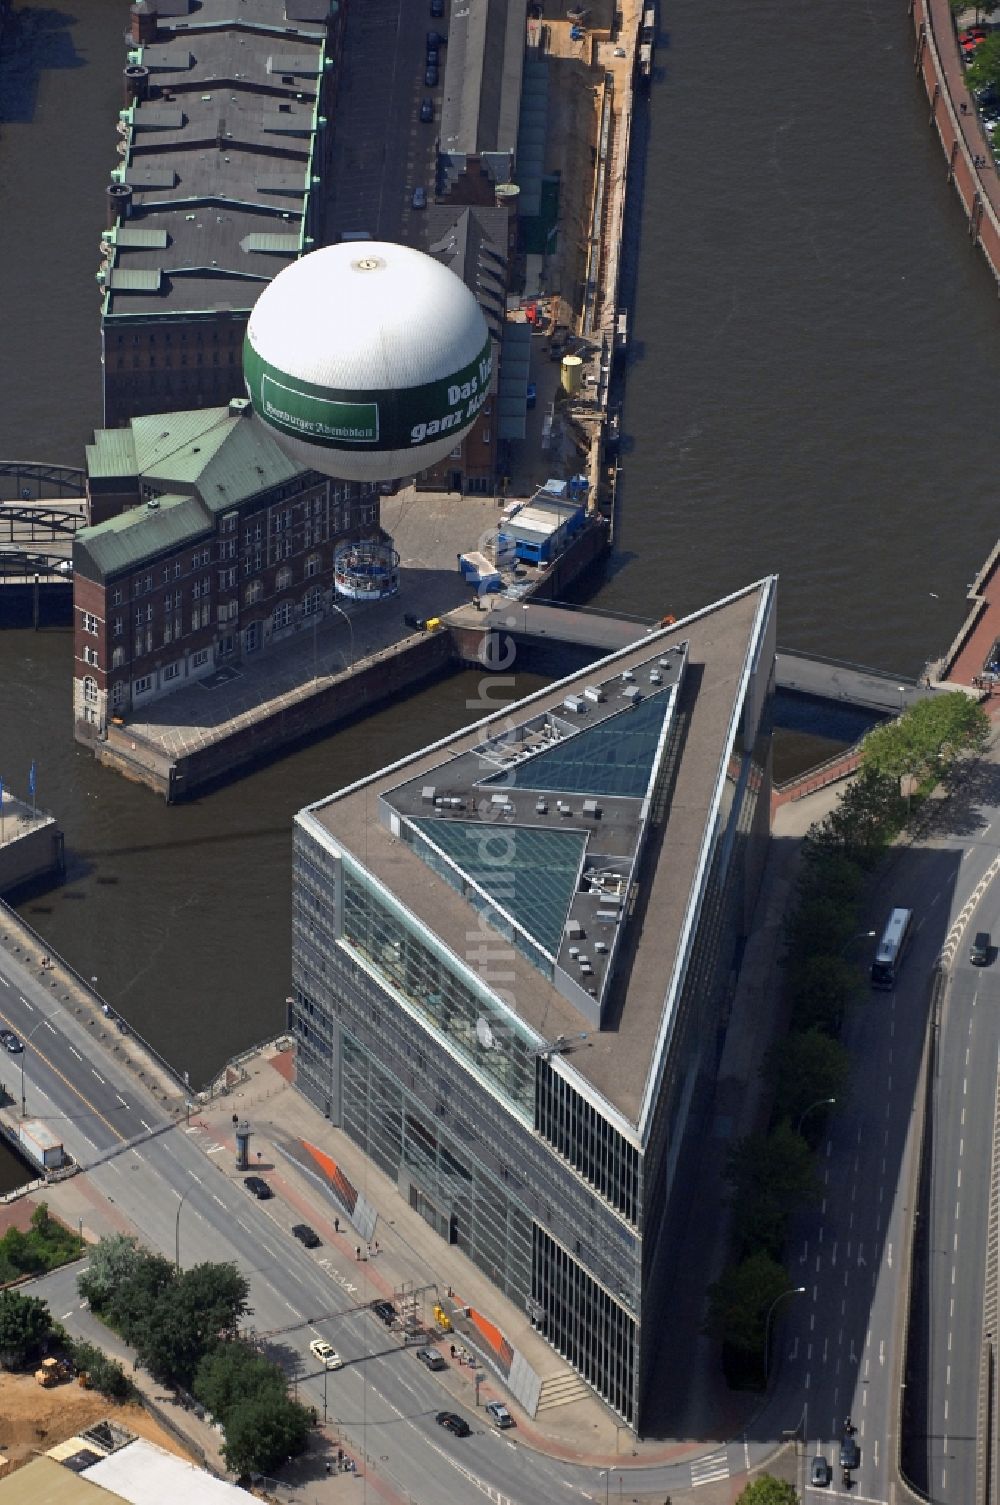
column 767, row 1490
column 25, row 1324
column 261, row 1433
column 232, row 1373
column 820, row 988
column 738, row 1304
column 933, row 733
column 105, row 1375
column 869, row 811
column 771, row 1175
column 113, row 1263
column 820, row 926
column 187, row 1317
column 984, row 70
column 133, row 1302
column 808, row 1067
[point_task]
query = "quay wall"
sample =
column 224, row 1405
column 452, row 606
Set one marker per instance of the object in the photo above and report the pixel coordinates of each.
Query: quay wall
column 30, row 848
column 393, row 672
column 961, row 136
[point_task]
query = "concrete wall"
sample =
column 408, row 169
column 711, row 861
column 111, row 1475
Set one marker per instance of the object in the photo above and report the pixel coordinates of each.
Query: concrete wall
column 937, row 61
column 31, row 850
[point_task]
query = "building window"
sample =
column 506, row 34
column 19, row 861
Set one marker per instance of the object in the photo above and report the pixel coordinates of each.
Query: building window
column 177, row 570
column 227, row 578
column 228, row 611
column 118, row 658
column 288, row 547
column 171, row 671
column 199, row 658
column 117, row 694
column 117, row 628
column 486, row 436
column 253, row 592
column 89, row 623
column 147, row 584
column 283, row 579
column 90, row 657
column 149, row 612
column 116, row 596
column 312, row 566
column 312, row 600
column 168, row 632
column 229, row 522
column 142, row 685
column 90, row 690
column 282, row 614
column 227, row 646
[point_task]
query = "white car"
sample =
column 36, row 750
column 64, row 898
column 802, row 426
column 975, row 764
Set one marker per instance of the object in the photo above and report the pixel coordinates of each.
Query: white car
column 326, row 1354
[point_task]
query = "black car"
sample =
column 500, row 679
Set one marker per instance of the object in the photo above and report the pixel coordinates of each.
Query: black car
column 431, row 1358
column 456, row 1425
column 435, row 39
column 432, row 58
column 10, row 1042
column 850, row 1453
column 431, row 78
column 307, row 1235
column 258, row 1186
column 384, row 1311
column 427, row 110
column 437, row 9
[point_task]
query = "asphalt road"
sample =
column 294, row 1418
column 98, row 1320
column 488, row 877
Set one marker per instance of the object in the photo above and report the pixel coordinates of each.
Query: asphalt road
column 835, row 1348
column 381, row 148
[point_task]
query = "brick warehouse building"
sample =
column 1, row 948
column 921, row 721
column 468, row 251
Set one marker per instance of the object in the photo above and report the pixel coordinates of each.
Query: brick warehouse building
column 224, row 146
column 226, row 546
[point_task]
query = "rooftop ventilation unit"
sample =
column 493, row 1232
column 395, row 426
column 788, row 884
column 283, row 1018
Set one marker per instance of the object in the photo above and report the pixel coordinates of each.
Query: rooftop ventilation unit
column 541, row 807
column 632, row 694
column 574, row 930
column 592, row 808
column 594, row 693
column 427, row 794
column 655, row 677
column 628, row 676
column 574, row 703
column 601, row 946
column 608, row 916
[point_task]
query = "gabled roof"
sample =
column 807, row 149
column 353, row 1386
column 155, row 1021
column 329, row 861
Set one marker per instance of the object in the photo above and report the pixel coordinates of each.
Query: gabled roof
column 130, row 539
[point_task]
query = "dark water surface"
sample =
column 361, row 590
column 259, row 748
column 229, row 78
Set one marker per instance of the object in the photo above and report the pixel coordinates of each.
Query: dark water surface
column 814, row 392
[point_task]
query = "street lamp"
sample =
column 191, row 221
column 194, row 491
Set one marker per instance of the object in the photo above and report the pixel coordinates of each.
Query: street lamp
column 862, row 935
column 822, row 1102
column 27, row 1041
column 792, row 1291
column 350, row 624
column 605, row 1474
column 177, row 1228
column 902, row 692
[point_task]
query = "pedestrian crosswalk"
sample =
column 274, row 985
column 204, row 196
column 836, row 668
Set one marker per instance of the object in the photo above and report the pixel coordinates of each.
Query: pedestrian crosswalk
column 710, row 1468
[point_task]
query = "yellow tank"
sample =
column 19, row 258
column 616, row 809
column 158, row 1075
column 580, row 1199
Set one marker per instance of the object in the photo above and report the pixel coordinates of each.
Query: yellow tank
column 571, row 374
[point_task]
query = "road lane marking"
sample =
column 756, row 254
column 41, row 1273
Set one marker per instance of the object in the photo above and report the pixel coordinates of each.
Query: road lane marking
column 5, row 982
column 76, row 1053
column 215, row 1149
column 50, row 1027
column 29, row 1006
column 94, row 1072
column 218, row 1199
column 121, row 1099
column 146, row 1126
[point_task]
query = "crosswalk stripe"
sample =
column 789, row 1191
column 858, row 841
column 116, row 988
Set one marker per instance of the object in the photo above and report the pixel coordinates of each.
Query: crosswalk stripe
column 711, row 1468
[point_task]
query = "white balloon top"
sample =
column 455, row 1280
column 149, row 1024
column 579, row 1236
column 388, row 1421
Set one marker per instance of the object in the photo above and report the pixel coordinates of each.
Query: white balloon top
column 367, row 315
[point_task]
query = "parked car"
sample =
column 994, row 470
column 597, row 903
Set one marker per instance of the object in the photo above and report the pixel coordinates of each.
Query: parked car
column 432, row 59
column 431, row 1358
column 427, row 110
column 326, row 1354
column 258, row 1187
column 307, row 1235
column 384, row 1311
column 819, row 1472
column 10, row 1042
column 456, row 1425
column 431, row 78
column 419, row 199
column 499, row 1415
column 435, row 39
column 437, row 9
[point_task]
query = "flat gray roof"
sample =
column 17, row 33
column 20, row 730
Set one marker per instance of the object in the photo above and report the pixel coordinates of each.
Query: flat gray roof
column 219, row 159
column 618, row 1059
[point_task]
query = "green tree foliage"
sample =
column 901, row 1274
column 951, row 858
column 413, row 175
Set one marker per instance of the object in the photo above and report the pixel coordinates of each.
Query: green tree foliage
column 739, row 1302
column 933, row 733
column 808, row 1067
column 984, row 70
column 47, row 1243
column 767, row 1490
column 105, row 1375
column 186, row 1318
column 112, row 1264
column 827, row 870
column 232, row 1373
column 133, row 1302
column 771, row 1175
column 262, row 1432
column 819, row 926
column 25, row 1324
column 820, row 988
column 869, row 813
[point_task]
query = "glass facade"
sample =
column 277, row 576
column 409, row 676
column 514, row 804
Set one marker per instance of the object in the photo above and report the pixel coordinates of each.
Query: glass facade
column 419, row 1059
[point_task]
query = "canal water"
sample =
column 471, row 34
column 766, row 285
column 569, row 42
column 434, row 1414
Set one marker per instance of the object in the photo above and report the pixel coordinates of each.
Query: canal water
column 813, row 391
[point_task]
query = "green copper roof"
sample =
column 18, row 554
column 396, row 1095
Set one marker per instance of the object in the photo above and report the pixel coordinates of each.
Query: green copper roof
column 111, row 454
column 128, row 540
column 531, row 873
column 614, row 757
